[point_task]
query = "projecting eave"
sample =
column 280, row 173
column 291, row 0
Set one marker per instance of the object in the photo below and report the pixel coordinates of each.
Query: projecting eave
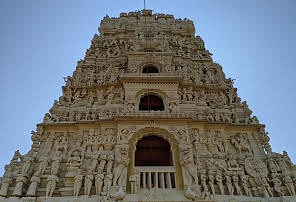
column 152, row 77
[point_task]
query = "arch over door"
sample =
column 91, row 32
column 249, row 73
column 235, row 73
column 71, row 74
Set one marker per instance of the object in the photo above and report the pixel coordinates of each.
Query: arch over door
column 153, row 151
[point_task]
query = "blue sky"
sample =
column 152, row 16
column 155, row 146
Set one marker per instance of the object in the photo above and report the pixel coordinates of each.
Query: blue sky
column 41, row 41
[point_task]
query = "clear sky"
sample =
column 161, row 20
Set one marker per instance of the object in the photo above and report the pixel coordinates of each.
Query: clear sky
column 41, row 41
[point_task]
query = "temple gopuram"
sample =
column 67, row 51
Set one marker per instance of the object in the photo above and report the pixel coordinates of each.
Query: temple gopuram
column 148, row 116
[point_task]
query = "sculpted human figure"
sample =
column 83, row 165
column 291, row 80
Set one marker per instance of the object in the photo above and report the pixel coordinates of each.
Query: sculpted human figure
column 120, row 167
column 4, row 186
column 75, row 159
column 110, row 161
column 18, row 189
column 94, row 161
column 267, row 189
column 236, row 186
column 77, row 184
column 277, row 185
column 107, row 182
column 187, row 162
column 55, row 166
column 35, row 180
column 203, row 181
column 229, row 184
column 288, row 182
column 271, row 165
column 6, row 180
column 43, row 162
column 26, row 162
column 211, row 183
column 134, row 180
column 99, row 179
column 219, row 180
column 244, row 182
column 51, row 185
column 88, row 181
column 103, row 160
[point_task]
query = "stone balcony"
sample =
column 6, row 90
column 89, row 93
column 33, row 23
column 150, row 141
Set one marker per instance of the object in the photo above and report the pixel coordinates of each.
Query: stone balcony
column 163, row 177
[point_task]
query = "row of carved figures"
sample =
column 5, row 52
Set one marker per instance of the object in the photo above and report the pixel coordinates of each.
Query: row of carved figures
column 105, row 169
column 225, row 116
column 239, row 183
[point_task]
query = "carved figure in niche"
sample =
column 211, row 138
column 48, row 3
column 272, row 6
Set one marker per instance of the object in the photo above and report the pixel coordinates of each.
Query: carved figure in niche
column 241, row 144
column 120, row 167
column 271, row 165
column 229, row 184
column 26, row 162
column 107, row 182
column 277, row 185
column 282, row 165
column 4, row 186
column 88, row 181
column 99, row 179
column 61, row 144
column 266, row 187
column 187, row 162
column 18, row 189
column 77, row 184
column 51, row 185
column 35, row 180
column 244, row 182
column 75, row 159
column 287, row 180
column 6, row 180
column 43, row 162
column 134, row 180
column 55, row 165
column 219, row 180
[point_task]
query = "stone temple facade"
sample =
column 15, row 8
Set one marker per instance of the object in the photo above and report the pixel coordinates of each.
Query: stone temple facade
column 148, row 116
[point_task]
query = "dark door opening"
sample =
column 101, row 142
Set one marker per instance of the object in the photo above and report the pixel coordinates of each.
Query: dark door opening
column 153, row 151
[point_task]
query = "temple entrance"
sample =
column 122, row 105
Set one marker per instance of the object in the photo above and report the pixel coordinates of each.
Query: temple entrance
column 154, row 161
column 153, row 151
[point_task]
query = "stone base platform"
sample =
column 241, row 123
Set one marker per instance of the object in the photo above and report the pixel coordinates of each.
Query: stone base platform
column 152, row 195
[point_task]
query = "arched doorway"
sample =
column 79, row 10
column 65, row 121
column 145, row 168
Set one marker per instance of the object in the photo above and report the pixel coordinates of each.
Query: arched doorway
column 154, row 161
column 153, row 151
column 151, row 102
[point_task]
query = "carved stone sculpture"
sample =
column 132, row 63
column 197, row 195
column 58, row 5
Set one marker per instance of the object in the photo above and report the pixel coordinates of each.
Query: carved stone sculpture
column 51, row 184
column 149, row 116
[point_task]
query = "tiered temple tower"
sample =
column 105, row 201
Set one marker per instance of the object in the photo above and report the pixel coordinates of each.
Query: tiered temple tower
column 148, row 116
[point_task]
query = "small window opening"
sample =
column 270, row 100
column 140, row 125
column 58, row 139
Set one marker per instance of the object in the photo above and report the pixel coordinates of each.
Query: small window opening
column 150, row 69
column 151, row 102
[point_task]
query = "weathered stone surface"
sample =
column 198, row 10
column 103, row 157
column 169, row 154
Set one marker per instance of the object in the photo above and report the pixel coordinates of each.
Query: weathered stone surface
column 148, row 116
